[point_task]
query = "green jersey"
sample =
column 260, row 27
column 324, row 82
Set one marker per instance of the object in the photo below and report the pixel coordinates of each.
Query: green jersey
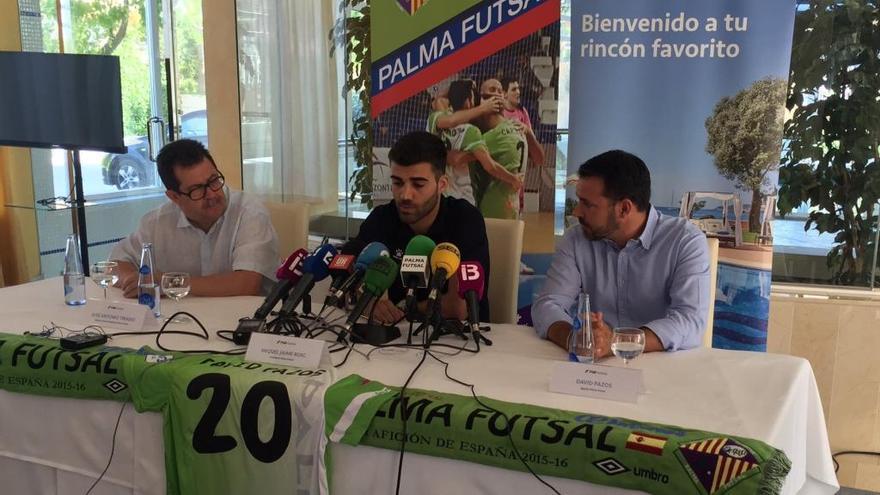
column 508, row 147
column 237, row 427
column 433, row 117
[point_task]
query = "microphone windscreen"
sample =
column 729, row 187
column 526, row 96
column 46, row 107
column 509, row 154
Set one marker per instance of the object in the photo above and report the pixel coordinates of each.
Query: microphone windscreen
column 371, row 253
column 342, row 263
column 380, row 275
column 318, row 264
column 447, row 257
column 471, row 277
column 420, row 245
column 353, row 247
column 291, row 269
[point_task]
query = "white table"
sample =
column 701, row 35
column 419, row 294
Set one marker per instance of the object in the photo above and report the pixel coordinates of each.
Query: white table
column 51, row 445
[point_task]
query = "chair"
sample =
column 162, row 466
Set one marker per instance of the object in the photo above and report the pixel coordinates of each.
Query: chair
column 713, row 280
column 291, row 223
column 505, row 249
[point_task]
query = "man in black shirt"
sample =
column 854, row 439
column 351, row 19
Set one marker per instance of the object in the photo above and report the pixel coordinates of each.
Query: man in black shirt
column 418, row 164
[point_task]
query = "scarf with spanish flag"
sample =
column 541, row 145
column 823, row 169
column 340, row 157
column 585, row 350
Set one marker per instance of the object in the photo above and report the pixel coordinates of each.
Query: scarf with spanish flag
column 617, row 452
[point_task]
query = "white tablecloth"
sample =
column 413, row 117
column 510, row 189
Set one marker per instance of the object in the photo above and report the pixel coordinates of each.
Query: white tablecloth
column 53, row 445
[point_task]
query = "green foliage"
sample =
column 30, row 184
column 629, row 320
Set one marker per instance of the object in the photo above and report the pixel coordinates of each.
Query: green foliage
column 117, row 27
column 745, row 138
column 351, row 33
column 831, row 160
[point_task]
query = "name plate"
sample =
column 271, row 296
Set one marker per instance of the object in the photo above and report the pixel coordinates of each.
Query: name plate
column 286, row 351
column 117, row 314
column 593, row 380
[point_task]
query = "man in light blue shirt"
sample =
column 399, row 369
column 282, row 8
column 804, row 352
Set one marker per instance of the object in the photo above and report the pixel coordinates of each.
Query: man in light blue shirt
column 640, row 267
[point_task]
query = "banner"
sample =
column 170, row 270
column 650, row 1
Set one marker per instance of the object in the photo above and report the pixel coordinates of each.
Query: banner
column 435, row 66
column 616, row 452
column 696, row 88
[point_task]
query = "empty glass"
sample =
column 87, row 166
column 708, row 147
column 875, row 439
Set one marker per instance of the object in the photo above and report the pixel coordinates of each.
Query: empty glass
column 628, row 343
column 580, row 341
column 105, row 274
column 176, row 286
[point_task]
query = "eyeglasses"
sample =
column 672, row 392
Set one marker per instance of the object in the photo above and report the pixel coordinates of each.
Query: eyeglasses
column 198, row 192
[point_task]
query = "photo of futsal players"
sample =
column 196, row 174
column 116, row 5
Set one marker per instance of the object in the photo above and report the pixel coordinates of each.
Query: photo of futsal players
column 497, row 118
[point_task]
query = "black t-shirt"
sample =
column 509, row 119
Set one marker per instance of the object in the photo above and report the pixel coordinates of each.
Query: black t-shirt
column 457, row 222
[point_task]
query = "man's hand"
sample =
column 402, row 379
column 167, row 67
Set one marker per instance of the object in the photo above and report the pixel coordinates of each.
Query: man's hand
column 491, row 105
column 602, row 334
column 517, row 182
column 385, row 312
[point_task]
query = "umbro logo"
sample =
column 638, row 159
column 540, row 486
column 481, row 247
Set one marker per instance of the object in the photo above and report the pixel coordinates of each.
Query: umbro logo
column 115, row 386
column 610, row 466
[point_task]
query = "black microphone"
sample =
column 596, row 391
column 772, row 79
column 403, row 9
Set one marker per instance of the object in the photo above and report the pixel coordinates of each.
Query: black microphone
column 470, row 288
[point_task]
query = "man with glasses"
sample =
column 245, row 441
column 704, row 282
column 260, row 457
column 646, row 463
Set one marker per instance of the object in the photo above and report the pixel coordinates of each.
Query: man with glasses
column 222, row 238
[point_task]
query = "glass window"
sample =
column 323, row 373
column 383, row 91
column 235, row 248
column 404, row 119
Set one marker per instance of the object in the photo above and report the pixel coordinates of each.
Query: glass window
column 829, row 178
column 118, row 188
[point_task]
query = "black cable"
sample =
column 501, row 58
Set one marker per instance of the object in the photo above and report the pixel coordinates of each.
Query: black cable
column 849, row 452
column 163, row 331
column 503, row 415
column 403, row 415
column 112, row 450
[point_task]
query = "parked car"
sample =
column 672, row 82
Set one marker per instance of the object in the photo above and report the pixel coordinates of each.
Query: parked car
column 134, row 168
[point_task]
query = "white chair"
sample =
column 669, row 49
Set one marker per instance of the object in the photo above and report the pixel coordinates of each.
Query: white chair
column 505, row 249
column 713, row 280
column 291, row 223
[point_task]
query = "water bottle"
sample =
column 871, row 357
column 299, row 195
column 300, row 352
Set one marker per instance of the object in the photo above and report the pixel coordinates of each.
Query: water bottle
column 74, row 278
column 148, row 289
column 580, row 343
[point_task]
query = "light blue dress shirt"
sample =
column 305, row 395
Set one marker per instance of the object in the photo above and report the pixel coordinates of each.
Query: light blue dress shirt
column 659, row 280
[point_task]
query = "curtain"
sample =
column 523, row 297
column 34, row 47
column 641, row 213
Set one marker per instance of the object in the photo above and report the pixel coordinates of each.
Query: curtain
column 289, row 100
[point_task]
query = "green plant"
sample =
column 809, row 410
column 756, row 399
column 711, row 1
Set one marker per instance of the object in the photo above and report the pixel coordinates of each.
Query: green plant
column 745, row 138
column 832, row 159
column 351, row 33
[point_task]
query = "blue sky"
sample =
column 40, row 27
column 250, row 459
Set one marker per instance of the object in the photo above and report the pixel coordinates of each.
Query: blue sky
column 655, row 107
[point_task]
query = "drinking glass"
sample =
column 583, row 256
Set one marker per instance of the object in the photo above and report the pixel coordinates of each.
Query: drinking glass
column 580, row 341
column 628, row 343
column 176, row 285
column 105, row 274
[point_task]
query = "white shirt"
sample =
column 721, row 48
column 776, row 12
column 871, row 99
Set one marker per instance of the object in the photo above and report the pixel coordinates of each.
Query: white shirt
column 241, row 239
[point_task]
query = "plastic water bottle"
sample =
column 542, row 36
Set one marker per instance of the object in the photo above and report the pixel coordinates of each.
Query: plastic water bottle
column 148, row 289
column 74, row 278
column 580, row 344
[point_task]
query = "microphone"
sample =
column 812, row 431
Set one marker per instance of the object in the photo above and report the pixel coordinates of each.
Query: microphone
column 444, row 263
column 288, row 274
column 316, row 267
column 470, row 288
column 367, row 256
column 378, row 278
column 415, row 269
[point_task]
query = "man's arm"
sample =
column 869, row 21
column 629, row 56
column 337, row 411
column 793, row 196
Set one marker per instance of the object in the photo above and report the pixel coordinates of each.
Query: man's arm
column 536, row 149
column 495, row 169
column 685, row 321
column 239, row 283
column 550, row 309
column 490, row 105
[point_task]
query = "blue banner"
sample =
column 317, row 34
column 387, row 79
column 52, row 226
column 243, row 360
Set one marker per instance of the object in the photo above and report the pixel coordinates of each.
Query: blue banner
column 654, row 78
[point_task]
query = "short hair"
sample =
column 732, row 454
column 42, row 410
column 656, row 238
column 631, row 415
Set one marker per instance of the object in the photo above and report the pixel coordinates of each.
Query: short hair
column 460, row 91
column 182, row 153
column 419, row 147
column 625, row 176
column 505, row 82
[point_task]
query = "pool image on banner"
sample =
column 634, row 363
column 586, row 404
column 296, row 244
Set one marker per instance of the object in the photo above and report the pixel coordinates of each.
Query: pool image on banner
column 708, row 126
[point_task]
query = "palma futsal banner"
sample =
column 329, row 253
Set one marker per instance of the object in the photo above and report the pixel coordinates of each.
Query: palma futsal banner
column 438, row 66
